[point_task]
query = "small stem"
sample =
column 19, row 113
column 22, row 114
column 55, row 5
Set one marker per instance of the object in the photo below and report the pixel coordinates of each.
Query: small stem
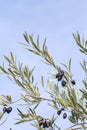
column 76, row 125
column 57, row 127
column 40, row 98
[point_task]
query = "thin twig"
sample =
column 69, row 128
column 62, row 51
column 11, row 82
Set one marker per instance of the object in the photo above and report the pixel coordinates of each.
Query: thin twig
column 57, row 127
column 76, row 125
column 40, row 98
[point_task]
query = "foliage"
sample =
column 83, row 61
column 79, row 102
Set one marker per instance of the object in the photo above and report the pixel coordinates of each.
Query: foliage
column 66, row 99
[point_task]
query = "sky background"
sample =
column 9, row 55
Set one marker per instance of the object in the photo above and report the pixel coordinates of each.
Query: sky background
column 54, row 19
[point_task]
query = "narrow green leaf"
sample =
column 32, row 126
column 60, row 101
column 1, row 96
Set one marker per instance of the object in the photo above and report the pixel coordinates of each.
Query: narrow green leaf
column 42, row 81
column 72, row 119
column 19, row 83
column 69, row 65
column 3, row 70
column 12, row 57
column 7, row 59
column 26, row 37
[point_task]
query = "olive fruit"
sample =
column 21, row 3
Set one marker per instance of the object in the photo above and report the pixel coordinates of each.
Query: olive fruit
column 73, row 82
column 62, row 109
column 59, row 112
column 9, row 109
column 4, row 109
column 45, row 123
column 64, row 116
column 60, row 75
column 63, row 83
column 40, row 123
column 59, row 78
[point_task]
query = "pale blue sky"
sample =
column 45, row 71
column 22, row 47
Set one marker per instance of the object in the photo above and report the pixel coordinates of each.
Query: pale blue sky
column 56, row 20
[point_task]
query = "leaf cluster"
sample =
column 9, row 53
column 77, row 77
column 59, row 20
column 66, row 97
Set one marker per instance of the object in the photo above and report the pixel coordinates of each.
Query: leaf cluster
column 67, row 97
column 81, row 43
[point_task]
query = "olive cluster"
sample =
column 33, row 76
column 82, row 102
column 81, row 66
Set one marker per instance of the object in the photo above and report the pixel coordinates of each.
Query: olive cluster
column 45, row 123
column 64, row 114
column 59, row 77
column 8, row 110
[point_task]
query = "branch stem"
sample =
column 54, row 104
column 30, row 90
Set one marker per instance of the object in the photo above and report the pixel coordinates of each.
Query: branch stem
column 76, row 125
column 39, row 98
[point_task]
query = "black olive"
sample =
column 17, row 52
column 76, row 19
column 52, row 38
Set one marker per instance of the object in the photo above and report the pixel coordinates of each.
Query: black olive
column 9, row 109
column 73, row 82
column 63, row 83
column 64, row 116
column 4, row 109
column 59, row 78
column 59, row 112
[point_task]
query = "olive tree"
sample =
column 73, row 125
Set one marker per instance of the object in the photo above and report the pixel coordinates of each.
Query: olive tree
column 65, row 99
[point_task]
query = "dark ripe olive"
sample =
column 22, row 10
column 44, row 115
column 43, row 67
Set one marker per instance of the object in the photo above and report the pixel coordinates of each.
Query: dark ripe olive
column 9, row 109
column 64, row 116
column 73, row 82
column 4, row 109
column 59, row 112
column 63, row 83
